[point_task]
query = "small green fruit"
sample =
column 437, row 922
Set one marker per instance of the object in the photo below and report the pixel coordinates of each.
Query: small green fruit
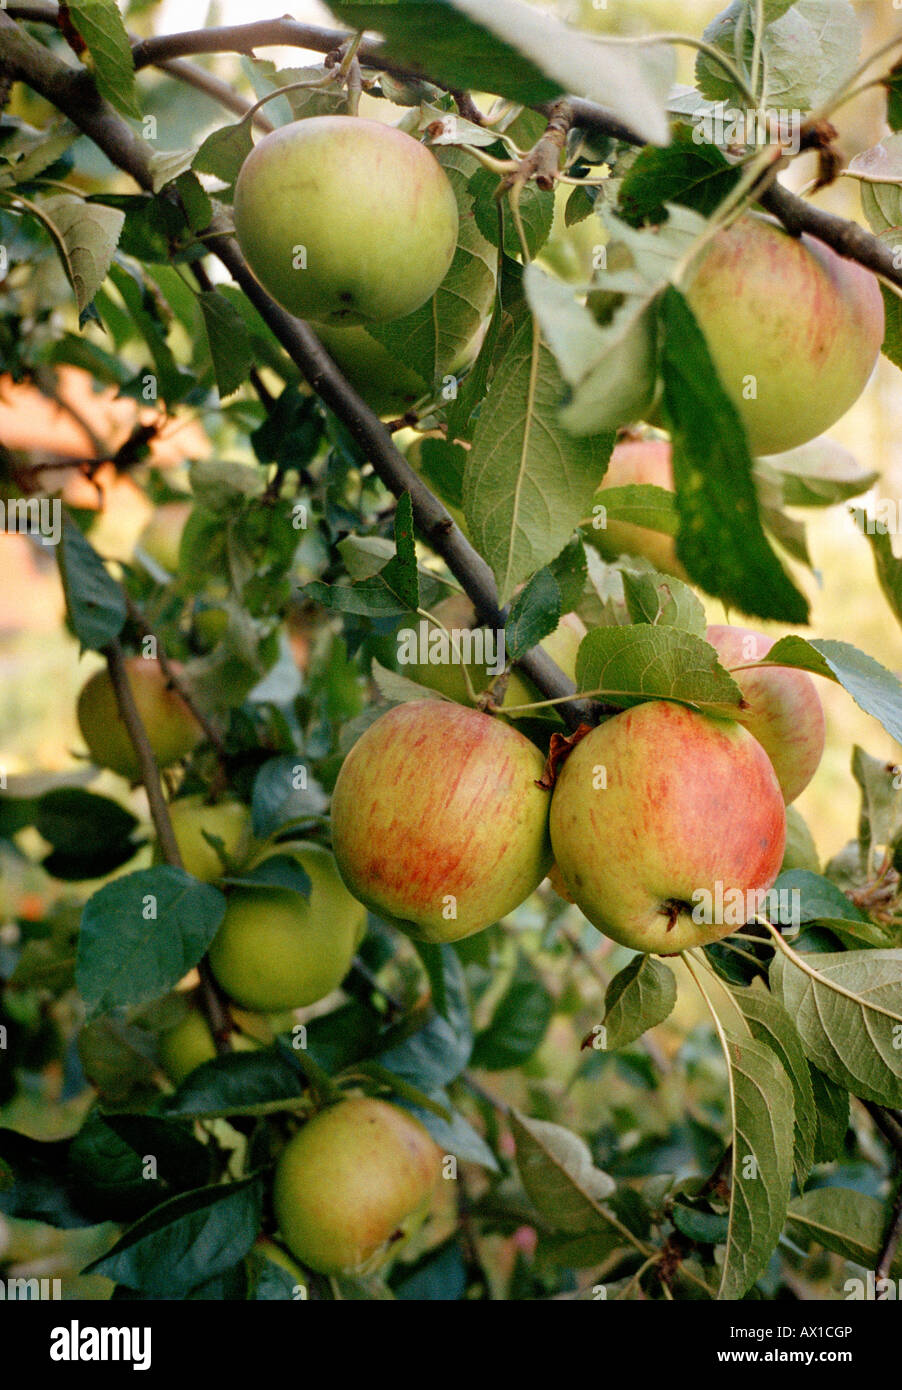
column 228, row 821
column 354, row 1182
column 190, row 1043
column 277, row 950
column 171, row 727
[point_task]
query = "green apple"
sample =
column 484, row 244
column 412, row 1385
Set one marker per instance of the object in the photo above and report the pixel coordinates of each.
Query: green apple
column 171, row 728
column 457, row 614
column 275, row 949
column 190, row 1043
column 388, row 387
column 161, row 538
column 344, row 220
column 794, row 329
column 801, row 851
column 227, row 820
column 636, row 461
column 783, row 711
column 657, row 807
column 437, row 823
column 352, row 1183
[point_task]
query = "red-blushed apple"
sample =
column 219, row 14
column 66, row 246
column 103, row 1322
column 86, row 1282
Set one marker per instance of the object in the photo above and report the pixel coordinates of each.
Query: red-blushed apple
column 276, row 949
column 345, row 220
column 794, row 329
column 437, row 823
column 784, row 710
column 354, row 1182
column 171, row 728
column 662, row 817
column 637, row 461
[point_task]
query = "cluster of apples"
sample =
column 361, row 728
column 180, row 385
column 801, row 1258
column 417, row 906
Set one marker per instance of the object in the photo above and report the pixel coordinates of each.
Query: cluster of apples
column 440, row 825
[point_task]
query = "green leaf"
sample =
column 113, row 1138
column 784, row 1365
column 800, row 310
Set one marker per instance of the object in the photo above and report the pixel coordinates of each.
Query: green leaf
column 536, row 209
column 639, row 997
column 400, row 575
column 528, row 56
column 809, row 49
column 557, row 1171
column 528, row 483
column 887, row 565
column 186, row 1241
column 238, row 1083
column 771, row 1025
column 880, row 821
column 228, row 340
column 688, row 171
column 224, row 151
column 101, row 26
column 67, row 816
column 877, row 691
column 284, row 793
column 141, row 934
column 640, row 662
column 534, row 613
column 454, row 1135
column 95, row 602
column 818, row 474
column 849, row 1017
column 29, row 152
column 641, row 504
column 663, row 601
column 832, row 1107
column 761, row 1111
column 720, row 541
column 893, row 85
column 850, row 1223
column 518, row 1024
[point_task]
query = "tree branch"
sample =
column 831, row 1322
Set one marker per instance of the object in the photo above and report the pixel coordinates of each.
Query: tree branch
column 72, row 91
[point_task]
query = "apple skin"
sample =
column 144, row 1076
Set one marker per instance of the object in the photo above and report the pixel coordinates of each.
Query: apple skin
column 806, row 323
column 277, row 950
column 372, row 206
column 161, row 538
column 457, row 613
column 388, row 387
column 356, row 1175
column 171, row 727
column 437, row 801
column 690, row 802
column 638, row 461
column 190, row 1043
column 784, row 710
column 229, row 821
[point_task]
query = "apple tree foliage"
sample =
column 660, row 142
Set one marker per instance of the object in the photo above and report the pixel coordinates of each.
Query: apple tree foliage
column 616, row 1150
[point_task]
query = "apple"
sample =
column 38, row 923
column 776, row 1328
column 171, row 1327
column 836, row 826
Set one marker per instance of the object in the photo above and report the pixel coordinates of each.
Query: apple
column 437, row 823
column 171, row 728
column 637, row 461
column 660, row 803
column 784, row 711
column 457, row 613
column 345, row 220
column 352, row 1183
column 388, row 387
column 277, row 950
column 190, row 1043
column 793, row 328
column 161, row 538
column 227, row 820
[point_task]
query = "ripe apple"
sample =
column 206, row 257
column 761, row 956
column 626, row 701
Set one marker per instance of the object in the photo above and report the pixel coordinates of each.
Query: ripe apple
column 656, row 804
column 354, row 1182
column 437, row 822
column 190, row 1043
column 784, row 711
column 638, row 461
column 228, row 821
column 793, row 328
column 161, row 538
column 277, row 950
column 345, row 220
column 458, row 613
column 171, row 727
